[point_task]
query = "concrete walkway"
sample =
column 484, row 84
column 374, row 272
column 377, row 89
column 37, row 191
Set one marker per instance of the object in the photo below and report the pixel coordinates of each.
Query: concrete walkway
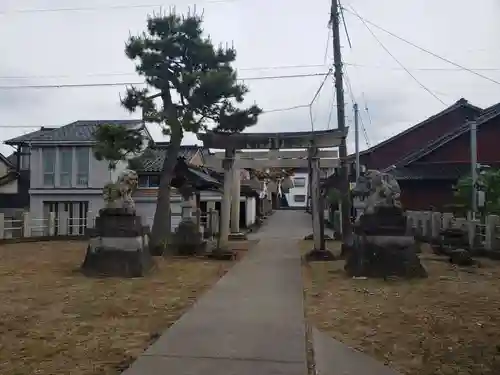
column 251, row 322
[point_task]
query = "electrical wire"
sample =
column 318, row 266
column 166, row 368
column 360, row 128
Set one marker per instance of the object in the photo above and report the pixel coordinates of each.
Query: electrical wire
column 345, row 24
column 285, row 109
column 330, row 114
column 353, row 99
column 102, row 8
column 110, row 84
column 418, row 69
column 400, row 63
column 263, row 112
column 321, row 86
column 316, row 95
column 327, row 47
column 461, row 67
column 367, row 111
column 278, row 67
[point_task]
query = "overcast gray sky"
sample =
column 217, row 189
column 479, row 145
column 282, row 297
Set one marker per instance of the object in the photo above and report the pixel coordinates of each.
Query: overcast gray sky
column 87, row 47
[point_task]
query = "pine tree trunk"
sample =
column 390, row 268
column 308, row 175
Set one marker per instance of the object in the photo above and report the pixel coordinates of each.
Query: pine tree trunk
column 161, row 231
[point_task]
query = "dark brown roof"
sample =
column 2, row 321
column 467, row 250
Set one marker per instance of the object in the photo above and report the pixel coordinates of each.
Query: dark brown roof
column 487, row 115
column 460, row 103
column 434, row 171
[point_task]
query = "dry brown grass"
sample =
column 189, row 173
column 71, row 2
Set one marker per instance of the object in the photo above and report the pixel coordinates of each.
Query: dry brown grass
column 448, row 324
column 53, row 320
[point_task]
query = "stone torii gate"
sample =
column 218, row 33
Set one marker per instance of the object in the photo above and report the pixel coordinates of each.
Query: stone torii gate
column 232, row 162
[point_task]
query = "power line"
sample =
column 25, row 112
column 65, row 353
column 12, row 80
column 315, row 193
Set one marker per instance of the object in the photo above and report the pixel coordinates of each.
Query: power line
column 418, row 69
column 345, row 25
column 365, row 133
column 316, row 94
column 321, row 86
column 285, row 109
column 102, row 8
column 330, row 114
column 365, row 21
column 278, row 67
column 327, row 47
column 110, row 84
column 399, row 62
column 353, row 99
column 263, row 112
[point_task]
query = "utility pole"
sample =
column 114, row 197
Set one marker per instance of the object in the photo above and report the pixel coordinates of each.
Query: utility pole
column 339, row 88
column 356, row 139
column 473, row 162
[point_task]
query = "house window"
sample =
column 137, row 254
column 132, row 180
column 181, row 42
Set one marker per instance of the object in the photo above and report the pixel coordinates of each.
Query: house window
column 154, row 181
column 82, row 166
column 299, row 182
column 149, row 181
column 143, row 181
column 66, row 166
column 25, row 158
column 49, row 166
column 299, row 198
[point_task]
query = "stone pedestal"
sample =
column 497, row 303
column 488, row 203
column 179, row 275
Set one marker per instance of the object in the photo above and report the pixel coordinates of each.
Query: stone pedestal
column 240, row 236
column 118, row 246
column 382, row 248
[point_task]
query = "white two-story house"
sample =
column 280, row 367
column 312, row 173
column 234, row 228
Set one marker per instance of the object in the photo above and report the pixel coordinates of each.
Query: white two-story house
column 297, row 196
column 64, row 174
column 66, row 177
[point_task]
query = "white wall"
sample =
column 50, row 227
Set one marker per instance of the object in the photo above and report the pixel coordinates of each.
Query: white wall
column 146, row 206
column 36, row 202
column 10, row 188
column 251, row 211
column 298, row 191
column 146, row 209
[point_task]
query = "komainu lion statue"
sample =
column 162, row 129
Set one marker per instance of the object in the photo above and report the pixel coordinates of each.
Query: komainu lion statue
column 119, row 194
column 379, row 189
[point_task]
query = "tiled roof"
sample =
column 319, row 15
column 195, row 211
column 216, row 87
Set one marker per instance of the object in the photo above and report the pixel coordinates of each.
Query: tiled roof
column 7, row 161
column 9, row 177
column 152, row 159
column 78, row 131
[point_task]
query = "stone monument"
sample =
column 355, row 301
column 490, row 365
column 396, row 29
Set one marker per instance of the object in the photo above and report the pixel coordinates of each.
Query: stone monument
column 381, row 246
column 187, row 240
column 119, row 242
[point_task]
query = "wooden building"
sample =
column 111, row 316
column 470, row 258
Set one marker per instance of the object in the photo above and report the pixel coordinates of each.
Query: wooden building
column 430, row 157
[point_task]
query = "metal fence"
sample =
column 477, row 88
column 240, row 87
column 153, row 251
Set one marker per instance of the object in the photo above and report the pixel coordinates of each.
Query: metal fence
column 57, row 226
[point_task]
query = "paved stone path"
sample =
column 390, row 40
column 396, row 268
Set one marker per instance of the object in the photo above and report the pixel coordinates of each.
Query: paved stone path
column 251, row 322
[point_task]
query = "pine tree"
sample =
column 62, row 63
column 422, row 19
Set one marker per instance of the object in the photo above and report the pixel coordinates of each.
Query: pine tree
column 197, row 87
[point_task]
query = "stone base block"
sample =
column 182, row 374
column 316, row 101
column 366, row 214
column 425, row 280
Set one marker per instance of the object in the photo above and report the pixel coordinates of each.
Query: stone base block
column 117, row 257
column 391, row 259
column 320, row 256
column 119, row 226
column 461, row 257
column 237, row 237
column 310, row 237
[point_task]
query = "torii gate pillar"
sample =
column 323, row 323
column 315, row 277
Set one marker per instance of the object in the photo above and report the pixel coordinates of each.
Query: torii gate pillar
column 226, row 199
column 235, row 204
